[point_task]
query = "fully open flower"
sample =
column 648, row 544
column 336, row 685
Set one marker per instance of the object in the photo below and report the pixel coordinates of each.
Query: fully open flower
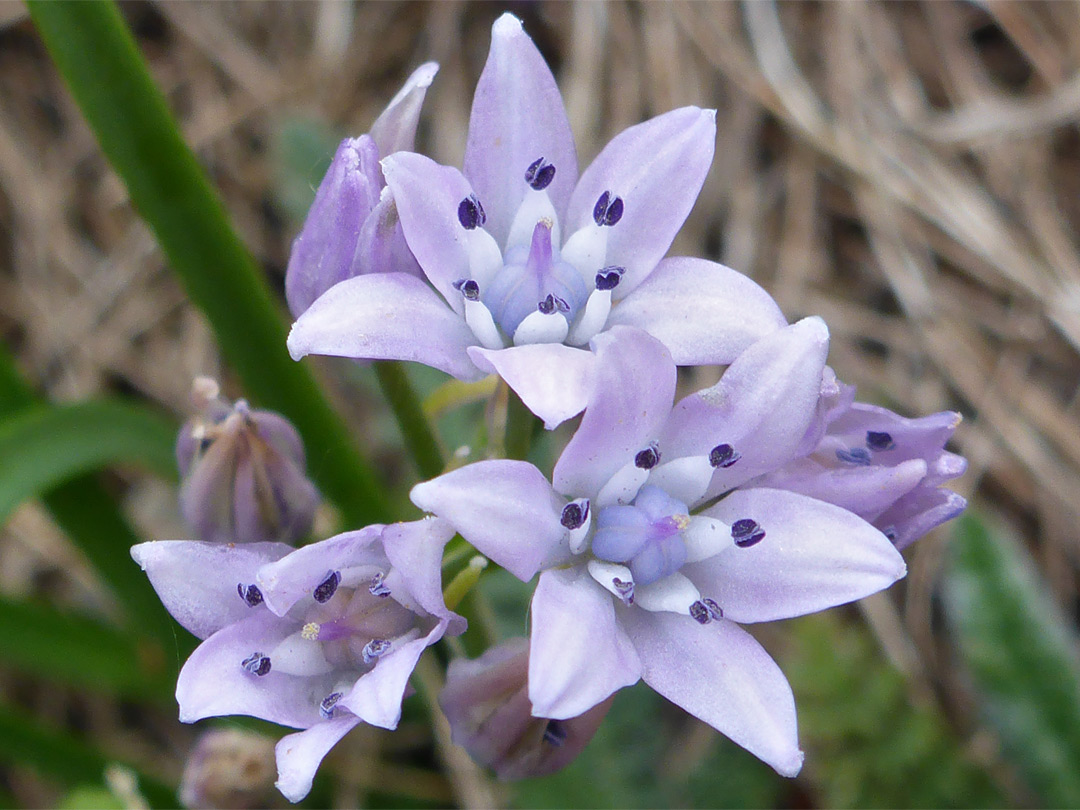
column 654, row 547
column 526, row 262
column 320, row 638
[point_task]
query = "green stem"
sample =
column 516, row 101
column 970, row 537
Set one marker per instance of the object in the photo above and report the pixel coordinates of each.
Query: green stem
column 420, row 440
column 464, row 581
column 102, row 67
column 520, row 424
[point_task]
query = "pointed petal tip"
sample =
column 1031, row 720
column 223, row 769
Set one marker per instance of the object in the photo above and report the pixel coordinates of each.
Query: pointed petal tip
column 294, row 343
column 790, row 766
column 423, row 76
column 506, row 26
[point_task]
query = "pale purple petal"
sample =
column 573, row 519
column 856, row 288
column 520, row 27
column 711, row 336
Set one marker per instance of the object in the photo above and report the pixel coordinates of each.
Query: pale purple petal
column 657, row 168
column 517, row 116
column 634, row 389
column 761, row 407
column 299, row 755
column 214, row 682
column 381, row 247
column 917, row 513
column 506, row 509
column 814, row 556
column 197, row 581
column 415, row 550
column 427, row 196
column 385, row 316
column 552, row 380
column 395, row 128
column 290, row 579
column 705, row 313
column 579, row 654
column 923, row 437
column 722, row 676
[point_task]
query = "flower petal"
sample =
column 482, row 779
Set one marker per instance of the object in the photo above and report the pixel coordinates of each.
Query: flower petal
column 579, row 654
column 214, row 682
column 918, row 512
column 415, row 550
column 552, row 380
column 517, row 116
column 197, row 581
column 657, row 168
column 395, row 128
column 385, row 316
column 722, row 676
column 632, row 395
column 299, row 755
column 705, row 313
column 761, row 407
column 814, row 556
column 506, row 509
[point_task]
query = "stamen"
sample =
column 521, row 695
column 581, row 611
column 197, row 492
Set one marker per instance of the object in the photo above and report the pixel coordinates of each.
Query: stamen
column 859, row 456
column 608, row 209
column 555, row 733
column 468, row 287
column 574, row 515
column 714, row 609
column 879, row 440
column 553, row 303
column 374, row 649
column 723, row 455
column 377, row 588
column 327, row 588
column 310, row 631
column 746, row 532
column 625, row 590
column 609, row 277
column 251, row 594
column 470, row 213
column 540, row 174
column 256, row 664
column 648, row 458
column 699, row 613
column 326, row 707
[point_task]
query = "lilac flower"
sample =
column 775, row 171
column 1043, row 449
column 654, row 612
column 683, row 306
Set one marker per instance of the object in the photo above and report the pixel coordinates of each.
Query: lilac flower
column 243, row 472
column 647, row 571
column 352, row 227
column 883, row 467
column 320, row 638
column 487, row 704
column 526, row 261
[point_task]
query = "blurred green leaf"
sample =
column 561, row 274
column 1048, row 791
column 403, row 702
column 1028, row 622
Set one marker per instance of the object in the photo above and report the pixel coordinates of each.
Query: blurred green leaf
column 103, row 69
column 90, row 797
column 1022, row 656
column 866, row 744
column 48, row 445
column 302, row 150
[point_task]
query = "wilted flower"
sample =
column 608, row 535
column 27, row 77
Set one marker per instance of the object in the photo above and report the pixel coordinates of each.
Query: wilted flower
column 653, row 545
column 243, row 472
column 486, row 701
column 229, row 767
column 352, row 227
column 526, row 261
column 318, row 638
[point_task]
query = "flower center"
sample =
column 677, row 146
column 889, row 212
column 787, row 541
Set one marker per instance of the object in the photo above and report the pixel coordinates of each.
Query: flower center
column 646, row 535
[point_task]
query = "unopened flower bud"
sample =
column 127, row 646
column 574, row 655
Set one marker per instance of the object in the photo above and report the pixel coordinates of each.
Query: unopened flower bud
column 243, row 472
column 229, row 768
column 487, row 703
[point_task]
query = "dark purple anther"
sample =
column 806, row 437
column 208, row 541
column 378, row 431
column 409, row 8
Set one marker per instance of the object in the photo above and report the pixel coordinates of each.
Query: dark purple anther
column 746, row 532
column 723, row 455
column 326, row 707
column 890, row 533
column 468, row 287
column 377, row 588
column 327, row 588
column 555, row 733
column 608, row 209
column 699, row 613
column 624, row 589
column 879, row 440
column 470, row 213
column 553, row 303
column 714, row 609
column 609, row 277
column 540, row 174
column 256, row 664
column 574, row 515
column 648, row 458
column 856, row 455
column 251, row 594
column 374, row 649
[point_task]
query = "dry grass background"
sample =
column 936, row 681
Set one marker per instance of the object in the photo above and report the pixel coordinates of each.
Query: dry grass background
column 908, row 170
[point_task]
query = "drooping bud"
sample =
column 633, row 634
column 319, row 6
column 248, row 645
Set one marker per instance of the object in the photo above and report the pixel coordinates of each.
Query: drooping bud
column 486, row 701
column 229, row 767
column 243, row 473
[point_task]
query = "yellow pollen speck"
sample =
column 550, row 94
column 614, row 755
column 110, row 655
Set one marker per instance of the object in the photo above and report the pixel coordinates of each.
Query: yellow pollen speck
column 310, row 631
column 681, row 521
column 547, row 221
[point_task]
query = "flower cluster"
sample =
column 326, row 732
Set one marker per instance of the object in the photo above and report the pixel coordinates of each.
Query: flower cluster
column 665, row 527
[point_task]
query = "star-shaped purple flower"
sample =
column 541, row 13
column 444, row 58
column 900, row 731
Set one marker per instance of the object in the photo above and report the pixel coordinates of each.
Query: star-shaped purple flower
column 318, row 638
column 653, row 547
column 526, row 262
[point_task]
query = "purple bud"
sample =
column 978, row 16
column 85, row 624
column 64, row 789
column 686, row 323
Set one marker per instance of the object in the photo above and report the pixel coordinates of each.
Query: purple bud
column 746, row 532
column 539, row 174
column 243, row 470
column 470, row 213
